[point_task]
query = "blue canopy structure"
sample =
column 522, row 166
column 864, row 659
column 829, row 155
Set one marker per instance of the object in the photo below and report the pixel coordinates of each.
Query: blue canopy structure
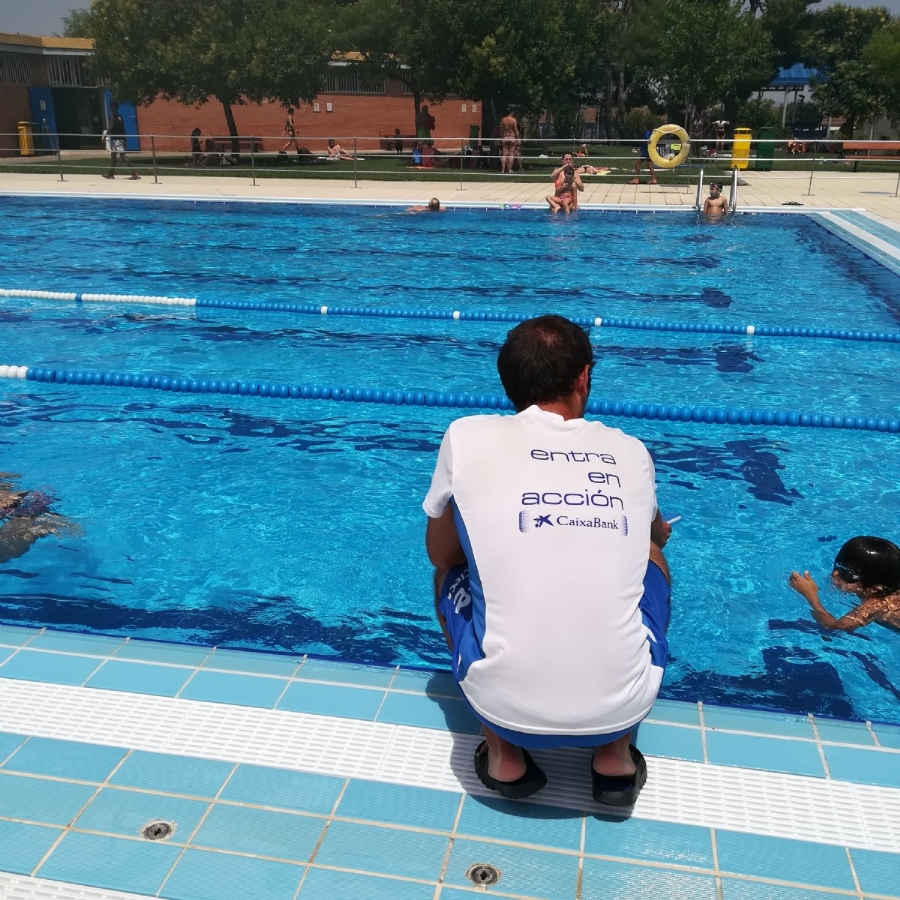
column 797, row 76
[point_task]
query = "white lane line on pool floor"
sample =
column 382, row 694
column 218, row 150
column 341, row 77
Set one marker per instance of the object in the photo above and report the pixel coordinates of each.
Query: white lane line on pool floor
column 789, row 806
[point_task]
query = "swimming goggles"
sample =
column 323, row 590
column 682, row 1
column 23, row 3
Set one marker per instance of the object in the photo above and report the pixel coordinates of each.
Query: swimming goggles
column 851, row 576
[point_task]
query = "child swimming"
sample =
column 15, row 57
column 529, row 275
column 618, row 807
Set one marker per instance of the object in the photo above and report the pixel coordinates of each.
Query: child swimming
column 25, row 517
column 868, row 567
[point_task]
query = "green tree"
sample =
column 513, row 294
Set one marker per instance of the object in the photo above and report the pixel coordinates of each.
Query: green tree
column 709, row 51
column 881, row 56
column 194, row 50
column 77, row 24
column 387, row 35
column 834, row 45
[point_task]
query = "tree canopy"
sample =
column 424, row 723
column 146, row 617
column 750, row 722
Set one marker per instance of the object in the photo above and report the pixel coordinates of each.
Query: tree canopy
column 534, row 55
column 195, row 50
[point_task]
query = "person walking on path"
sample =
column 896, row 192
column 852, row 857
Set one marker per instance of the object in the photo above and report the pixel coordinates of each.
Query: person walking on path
column 116, row 135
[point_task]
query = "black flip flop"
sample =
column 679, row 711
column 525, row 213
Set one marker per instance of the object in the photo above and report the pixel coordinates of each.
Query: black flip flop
column 530, row 783
column 619, row 790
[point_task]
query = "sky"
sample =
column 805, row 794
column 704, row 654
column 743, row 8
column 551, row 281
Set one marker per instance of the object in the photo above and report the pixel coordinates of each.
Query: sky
column 44, row 17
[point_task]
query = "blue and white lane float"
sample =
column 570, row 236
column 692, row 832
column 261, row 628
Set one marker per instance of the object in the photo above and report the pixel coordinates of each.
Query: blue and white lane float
column 457, row 315
column 100, row 298
column 717, row 415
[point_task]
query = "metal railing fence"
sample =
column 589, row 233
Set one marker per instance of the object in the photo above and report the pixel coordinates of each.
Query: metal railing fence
column 386, row 157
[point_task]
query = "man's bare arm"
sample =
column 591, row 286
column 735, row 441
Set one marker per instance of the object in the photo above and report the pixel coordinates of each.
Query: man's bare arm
column 442, row 541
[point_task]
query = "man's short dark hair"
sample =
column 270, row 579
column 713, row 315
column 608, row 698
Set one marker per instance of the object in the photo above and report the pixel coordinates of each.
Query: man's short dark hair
column 541, row 360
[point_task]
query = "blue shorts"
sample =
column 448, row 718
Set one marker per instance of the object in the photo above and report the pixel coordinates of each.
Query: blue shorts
column 654, row 608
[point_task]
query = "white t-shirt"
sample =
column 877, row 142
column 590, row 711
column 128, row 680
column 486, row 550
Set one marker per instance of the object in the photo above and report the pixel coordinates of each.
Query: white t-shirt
column 554, row 517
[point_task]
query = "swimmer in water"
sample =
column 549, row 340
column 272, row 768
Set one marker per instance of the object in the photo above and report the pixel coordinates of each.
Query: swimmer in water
column 434, row 205
column 715, row 204
column 868, row 567
column 25, row 516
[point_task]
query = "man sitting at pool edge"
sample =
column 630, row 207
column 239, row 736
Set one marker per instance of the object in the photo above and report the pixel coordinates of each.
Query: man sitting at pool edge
column 550, row 584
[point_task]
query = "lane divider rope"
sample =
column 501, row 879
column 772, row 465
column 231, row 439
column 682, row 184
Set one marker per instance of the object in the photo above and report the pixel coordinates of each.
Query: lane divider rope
column 457, row 315
column 718, row 415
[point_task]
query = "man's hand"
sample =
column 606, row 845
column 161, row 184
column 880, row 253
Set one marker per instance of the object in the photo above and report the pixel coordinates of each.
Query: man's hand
column 660, row 530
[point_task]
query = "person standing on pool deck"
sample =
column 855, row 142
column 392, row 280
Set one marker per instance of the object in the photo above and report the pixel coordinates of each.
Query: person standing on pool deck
column 424, row 125
column 550, row 582
column 644, row 156
column 509, row 138
column 116, row 135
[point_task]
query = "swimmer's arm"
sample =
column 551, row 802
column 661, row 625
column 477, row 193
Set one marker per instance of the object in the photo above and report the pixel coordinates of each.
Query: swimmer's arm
column 809, row 590
column 725, row 205
column 556, row 172
column 578, row 182
column 706, row 206
column 442, row 541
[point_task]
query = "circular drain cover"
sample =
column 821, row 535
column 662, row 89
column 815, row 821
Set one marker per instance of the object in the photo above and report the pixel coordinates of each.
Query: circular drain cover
column 482, row 874
column 157, row 831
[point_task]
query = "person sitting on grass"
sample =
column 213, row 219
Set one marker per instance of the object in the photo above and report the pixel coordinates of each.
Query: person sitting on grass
column 336, row 151
column 868, row 567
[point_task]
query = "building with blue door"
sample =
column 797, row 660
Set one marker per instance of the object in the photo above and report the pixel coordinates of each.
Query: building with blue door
column 45, row 81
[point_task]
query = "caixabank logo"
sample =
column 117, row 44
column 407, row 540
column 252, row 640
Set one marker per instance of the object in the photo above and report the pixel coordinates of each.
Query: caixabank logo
column 528, row 521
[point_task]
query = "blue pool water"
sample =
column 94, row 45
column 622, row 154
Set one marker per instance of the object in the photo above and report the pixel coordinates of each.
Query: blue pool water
column 297, row 525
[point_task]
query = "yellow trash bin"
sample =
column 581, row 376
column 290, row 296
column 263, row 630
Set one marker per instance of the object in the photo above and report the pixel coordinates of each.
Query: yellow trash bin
column 740, row 149
column 26, row 144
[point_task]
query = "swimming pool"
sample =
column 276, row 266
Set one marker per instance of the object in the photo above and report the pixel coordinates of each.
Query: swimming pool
column 261, row 522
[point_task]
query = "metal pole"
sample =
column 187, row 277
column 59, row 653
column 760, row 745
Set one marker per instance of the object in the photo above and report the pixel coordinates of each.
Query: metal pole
column 153, row 151
column 812, row 168
column 732, row 200
column 354, row 164
column 462, row 159
column 699, row 187
column 59, row 159
column 897, row 191
column 253, row 159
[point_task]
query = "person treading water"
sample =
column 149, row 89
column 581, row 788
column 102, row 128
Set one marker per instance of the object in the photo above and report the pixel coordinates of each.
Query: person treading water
column 25, row 517
column 868, row 567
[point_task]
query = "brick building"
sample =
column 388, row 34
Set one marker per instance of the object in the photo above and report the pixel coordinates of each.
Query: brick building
column 43, row 80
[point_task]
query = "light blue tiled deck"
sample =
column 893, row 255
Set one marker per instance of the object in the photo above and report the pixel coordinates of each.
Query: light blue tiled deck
column 74, row 812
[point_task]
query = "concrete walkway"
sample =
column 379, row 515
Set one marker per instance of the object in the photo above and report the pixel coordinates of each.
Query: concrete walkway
column 874, row 192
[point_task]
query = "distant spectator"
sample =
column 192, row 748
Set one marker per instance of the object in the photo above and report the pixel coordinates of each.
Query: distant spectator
column 211, row 157
column 336, row 151
column 196, row 148
column 644, row 156
column 116, row 134
column 424, row 125
column 720, row 127
column 398, row 141
column 290, row 132
column 509, row 137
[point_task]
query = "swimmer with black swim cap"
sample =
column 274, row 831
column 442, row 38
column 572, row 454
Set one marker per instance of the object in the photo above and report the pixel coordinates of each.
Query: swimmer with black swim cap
column 868, row 567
